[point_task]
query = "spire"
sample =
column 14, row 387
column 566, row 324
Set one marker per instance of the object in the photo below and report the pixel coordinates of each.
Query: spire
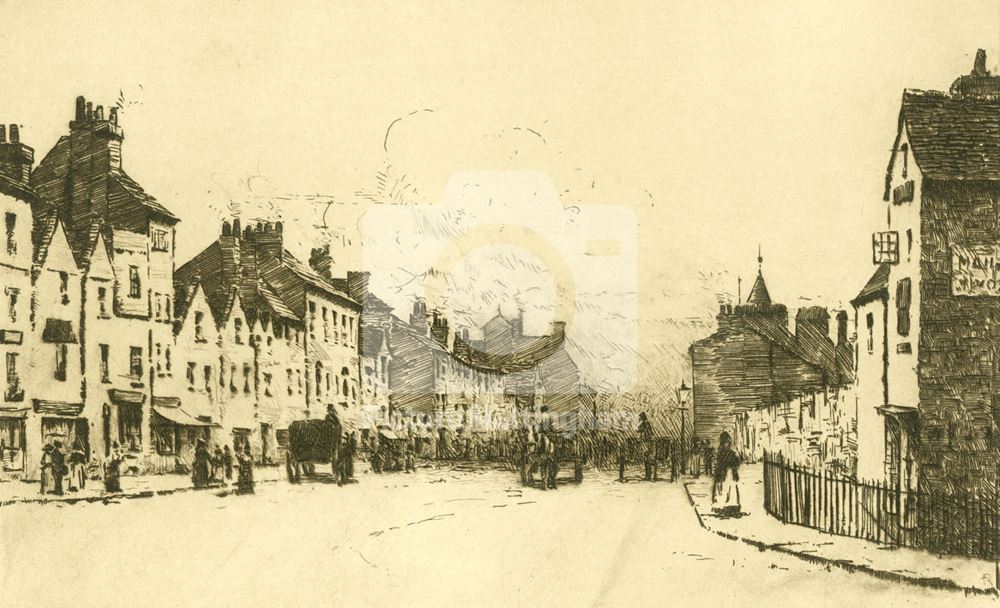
column 758, row 293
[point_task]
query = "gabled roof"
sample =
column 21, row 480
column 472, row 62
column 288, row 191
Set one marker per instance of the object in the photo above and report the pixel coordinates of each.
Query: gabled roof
column 274, row 302
column 952, row 137
column 17, row 190
column 139, row 196
column 876, row 288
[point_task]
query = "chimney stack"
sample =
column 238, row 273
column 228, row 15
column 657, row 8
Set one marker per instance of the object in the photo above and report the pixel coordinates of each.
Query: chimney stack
column 3, row 134
column 321, row 261
column 15, row 158
column 357, row 285
column 841, row 328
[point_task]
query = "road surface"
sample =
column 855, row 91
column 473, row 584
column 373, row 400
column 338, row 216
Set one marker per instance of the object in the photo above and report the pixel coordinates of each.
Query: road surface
column 439, row 537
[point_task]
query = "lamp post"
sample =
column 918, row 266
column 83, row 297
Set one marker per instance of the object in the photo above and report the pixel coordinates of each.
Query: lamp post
column 683, row 392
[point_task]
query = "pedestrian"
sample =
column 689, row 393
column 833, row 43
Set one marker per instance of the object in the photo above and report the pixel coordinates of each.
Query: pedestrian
column 648, row 454
column 217, row 459
column 46, row 470
column 725, row 486
column 112, row 471
column 411, row 446
column 336, row 431
column 59, row 469
column 352, row 447
column 227, row 463
column 244, row 483
column 77, row 467
column 200, row 470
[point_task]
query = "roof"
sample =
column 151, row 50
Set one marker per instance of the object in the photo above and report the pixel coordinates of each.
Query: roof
column 17, row 190
column 952, row 137
column 44, row 224
column 371, row 340
column 309, row 275
column 275, row 303
column 140, row 196
column 759, row 294
column 877, row 287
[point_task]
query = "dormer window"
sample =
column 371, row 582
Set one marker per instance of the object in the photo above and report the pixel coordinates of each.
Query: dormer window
column 199, row 330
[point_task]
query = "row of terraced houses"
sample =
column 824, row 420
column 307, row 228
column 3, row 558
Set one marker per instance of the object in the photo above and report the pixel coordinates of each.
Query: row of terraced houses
column 106, row 345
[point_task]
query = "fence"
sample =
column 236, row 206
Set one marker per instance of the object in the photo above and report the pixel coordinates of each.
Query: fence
column 961, row 523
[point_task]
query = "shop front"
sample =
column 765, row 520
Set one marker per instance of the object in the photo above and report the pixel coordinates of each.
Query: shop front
column 175, row 434
column 12, row 443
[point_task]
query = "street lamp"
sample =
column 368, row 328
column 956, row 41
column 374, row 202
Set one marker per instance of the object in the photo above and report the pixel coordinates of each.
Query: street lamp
column 683, row 392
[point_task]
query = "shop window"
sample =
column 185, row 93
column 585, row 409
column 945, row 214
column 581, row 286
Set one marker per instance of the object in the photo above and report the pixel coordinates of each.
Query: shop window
column 14, row 390
column 164, row 436
column 130, row 427
column 12, row 444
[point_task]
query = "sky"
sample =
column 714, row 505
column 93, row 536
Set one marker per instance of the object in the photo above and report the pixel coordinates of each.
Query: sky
column 718, row 126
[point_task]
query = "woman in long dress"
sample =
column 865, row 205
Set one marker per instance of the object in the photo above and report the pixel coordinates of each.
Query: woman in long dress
column 244, row 480
column 112, row 472
column 725, row 479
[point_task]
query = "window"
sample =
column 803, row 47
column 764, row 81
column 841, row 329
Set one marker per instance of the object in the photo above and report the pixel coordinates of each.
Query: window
column 130, row 427
column 239, row 330
column 298, row 379
column 160, row 240
column 312, row 318
column 247, row 371
column 350, row 330
column 909, row 242
column 167, row 310
column 903, row 307
column 134, row 284
column 12, row 294
column 64, row 287
column 207, row 371
column 267, row 384
column 159, row 358
column 61, row 354
column 232, row 378
column 870, row 319
column 199, row 330
column 163, row 438
column 14, row 391
column 169, row 367
column 159, row 306
column 222, row 372
column 102, row 301
column 343, row 328
column 885, row 247
column 105, row 351
column 190, row 373
column 326, row 325
column 319, row 377
column 10, row 222
column 385, row 366
column 135, row 361
column 290, row 380
column 344, row 387
column 335, row 338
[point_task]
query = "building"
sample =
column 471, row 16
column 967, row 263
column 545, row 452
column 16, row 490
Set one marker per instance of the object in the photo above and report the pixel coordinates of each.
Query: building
column 101, row 208
column 16, row 257
column 304, row 328
column 774, row 390
column 928, row 320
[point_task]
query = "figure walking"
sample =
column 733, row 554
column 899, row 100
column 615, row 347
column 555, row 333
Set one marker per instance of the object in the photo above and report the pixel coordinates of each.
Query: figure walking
column 46, row 476
column 77, row 468
column 244, row 483
column 648, row 449
column 200, row 469
column 726, row 477
column 336, row 431
column 227, row 463
column 58, row 467
column 112, row 471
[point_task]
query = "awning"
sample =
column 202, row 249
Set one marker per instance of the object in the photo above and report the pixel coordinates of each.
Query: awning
column 179, row 416
column 897, row 410
column 388, row 434
column 166, row 401
column 58, row 331
column 57, row 408
column 14, row 412
column 121, row 397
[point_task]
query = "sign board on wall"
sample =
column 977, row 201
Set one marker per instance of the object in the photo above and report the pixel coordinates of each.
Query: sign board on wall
column 975, row 270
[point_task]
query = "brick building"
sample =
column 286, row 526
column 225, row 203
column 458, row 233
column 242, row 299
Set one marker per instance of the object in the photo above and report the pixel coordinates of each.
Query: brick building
column 774, row 390
column 929, row 318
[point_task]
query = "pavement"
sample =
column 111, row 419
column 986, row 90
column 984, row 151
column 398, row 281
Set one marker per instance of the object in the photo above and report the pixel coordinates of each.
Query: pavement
column 896, row 564
column 133, row 486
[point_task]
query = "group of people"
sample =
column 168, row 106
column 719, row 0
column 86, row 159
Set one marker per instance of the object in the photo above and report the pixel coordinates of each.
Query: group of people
column 216, row 468
column 57, row 466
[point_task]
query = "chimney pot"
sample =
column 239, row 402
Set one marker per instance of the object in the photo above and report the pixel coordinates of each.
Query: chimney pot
column 236, row 226
column 113, row 115
column 15, row 136
column 90, row 110
column 3, row 134
column 226, row 230
column 99, row 113
column 278, row 227
column 979, row 67
column 81, row 112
